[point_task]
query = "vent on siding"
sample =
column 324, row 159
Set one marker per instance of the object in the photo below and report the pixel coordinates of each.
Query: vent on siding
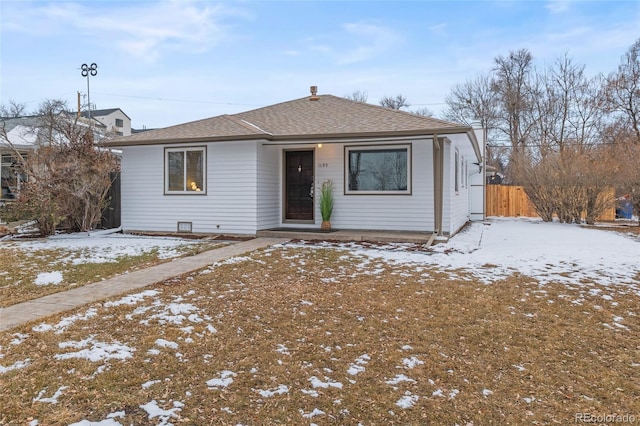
column 185, row 226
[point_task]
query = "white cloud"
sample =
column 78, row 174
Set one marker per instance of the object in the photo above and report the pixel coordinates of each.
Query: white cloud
column 356, row 42
column 373, row 41
column 558, row 6
column 439, row 29
column 145, row 30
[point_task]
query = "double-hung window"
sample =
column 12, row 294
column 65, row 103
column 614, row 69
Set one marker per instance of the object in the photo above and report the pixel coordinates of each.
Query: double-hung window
column 378, row 169
column 185, row 170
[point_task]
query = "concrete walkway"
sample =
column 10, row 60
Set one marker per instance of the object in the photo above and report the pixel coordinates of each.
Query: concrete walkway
column 32, row 310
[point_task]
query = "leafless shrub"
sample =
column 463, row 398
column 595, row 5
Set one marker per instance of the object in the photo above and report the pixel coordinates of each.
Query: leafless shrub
column 67, row 176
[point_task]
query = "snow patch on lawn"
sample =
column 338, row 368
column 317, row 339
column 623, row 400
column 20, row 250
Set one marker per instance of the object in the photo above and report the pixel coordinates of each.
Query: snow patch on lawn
column 314, row 413
column 358, row 366
column 166, row 344
column 95, row 351
column 48, row 278
column 106, row 422
column 317, row 383
column 222, row 381
column 272, row 392
column 407, row 401
column 497, row 248
column 15, row 366
column 153, row 410
column 52, row 399
column 412, row 362
column 65, row 322
column 132, row 299
column 101, row 248
column 399, row 379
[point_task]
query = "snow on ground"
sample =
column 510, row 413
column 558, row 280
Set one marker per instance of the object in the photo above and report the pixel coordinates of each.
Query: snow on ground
column 488, row 251
column 101, row 248
column 497, row 248
column 46, row 278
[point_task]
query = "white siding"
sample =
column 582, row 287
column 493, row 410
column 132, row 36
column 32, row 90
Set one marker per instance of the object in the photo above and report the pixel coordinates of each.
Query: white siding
column 269, row 186
column 477, row 179
column 228, row 207
column 110, row 122
column 245, row 190
column 389, row 212
column 456, row 208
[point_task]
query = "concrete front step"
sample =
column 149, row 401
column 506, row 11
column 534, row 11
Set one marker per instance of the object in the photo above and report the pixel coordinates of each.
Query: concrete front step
column 349, row 235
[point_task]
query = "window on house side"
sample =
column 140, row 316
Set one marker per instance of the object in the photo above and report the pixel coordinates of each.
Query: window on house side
column 378, row 170
column 457, row 171
column 119, row 122
column 185, row 170
column 10, row 177
column 466, row 174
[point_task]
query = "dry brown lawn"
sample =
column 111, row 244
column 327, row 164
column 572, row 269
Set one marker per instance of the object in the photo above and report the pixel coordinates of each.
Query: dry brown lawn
column 21, row 267
column 297, row 335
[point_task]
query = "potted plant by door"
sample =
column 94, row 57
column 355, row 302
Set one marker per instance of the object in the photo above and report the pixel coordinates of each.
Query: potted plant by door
column 326, row 204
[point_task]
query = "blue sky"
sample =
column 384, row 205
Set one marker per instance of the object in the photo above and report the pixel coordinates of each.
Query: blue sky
column 168, row 62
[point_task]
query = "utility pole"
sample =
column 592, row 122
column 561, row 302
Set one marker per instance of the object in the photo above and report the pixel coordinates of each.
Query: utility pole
column 89, row 71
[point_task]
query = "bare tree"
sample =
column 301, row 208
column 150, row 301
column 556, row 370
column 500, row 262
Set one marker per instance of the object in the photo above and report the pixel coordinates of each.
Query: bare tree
column 471, row 101
column 572, row 184
column 623, row 88
column 12, row 110
column 511, row 86
column 620, row 139
column 566, row 107
column 67, row 176
column 424, row 111
column 397, row 102
column 553, row 123
column 358, row 96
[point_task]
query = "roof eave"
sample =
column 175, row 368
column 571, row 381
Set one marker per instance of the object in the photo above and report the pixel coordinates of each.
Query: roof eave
column 302, row 137
column 170, row 141
column 384, row 134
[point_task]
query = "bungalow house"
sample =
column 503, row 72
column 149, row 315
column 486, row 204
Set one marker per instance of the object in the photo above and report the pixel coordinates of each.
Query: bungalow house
column 262, row 169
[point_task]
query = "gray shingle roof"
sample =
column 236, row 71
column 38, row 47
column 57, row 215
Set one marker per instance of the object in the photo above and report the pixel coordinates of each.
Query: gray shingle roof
column 326, row 117
column 102, row 112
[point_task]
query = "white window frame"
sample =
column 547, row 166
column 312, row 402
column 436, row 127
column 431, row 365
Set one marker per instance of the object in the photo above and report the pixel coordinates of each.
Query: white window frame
column 348, row 149
column 463, row 164
column 203, row 190
column 466, row 174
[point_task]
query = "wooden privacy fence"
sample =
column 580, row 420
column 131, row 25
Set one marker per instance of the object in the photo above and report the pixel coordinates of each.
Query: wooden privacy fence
column 513, row 201
column 509, row 201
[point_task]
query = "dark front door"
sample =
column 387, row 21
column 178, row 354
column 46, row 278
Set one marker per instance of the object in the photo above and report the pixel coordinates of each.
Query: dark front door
column 298, row 185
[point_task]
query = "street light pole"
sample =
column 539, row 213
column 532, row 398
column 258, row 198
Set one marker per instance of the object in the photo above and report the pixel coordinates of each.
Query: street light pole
column 87, row 71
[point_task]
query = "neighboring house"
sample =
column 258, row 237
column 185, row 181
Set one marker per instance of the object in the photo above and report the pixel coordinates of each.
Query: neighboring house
column 25, row 134
column 114, row 119
column 28, row 133
column 261, row 169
